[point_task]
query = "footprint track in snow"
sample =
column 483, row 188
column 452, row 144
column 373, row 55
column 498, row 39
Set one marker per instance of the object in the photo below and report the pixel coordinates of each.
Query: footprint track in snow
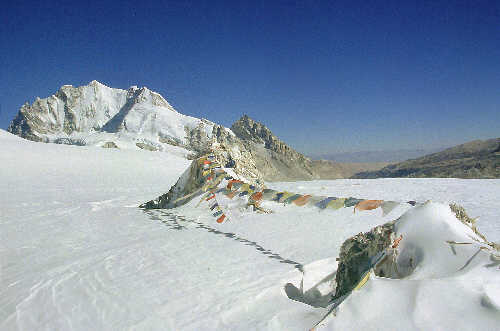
column 173, row 222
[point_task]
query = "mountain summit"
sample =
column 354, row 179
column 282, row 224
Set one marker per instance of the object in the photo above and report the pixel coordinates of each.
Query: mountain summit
column 275, row 159
column 247, row 129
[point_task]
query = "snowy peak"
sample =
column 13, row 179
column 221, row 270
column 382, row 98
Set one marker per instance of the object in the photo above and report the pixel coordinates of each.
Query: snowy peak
column 145, row 95
column 96, row 114
column 69, row 110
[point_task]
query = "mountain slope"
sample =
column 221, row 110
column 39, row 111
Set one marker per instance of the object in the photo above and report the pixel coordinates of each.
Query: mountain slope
column 138, row 118
column 275, row 159
column 475, row 159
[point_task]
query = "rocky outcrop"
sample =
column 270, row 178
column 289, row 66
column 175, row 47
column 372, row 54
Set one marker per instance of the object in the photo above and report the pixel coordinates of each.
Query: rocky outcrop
column 187, row 187
column 475, row 159
column 109, row 144
column 233, row 152
column 252, row 131
column 249, row 130
column 146, row 147
column 380, row 248
column 275, row 160
column 199, row 141
column 356, row 256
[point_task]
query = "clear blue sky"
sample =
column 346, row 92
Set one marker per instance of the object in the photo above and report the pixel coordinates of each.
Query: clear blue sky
column 325, row 76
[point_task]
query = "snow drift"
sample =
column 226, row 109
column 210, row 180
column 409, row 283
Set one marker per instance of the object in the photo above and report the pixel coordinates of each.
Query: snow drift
column 431, row 253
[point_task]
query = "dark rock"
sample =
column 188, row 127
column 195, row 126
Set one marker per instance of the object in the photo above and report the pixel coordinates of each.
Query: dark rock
column 356, row 255
column 109, row 144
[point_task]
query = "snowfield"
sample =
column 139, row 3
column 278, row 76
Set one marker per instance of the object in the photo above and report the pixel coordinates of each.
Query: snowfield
column 77, row 254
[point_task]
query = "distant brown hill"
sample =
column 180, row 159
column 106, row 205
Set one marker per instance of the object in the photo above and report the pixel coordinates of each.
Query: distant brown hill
column 327, row 169
column 475, row 159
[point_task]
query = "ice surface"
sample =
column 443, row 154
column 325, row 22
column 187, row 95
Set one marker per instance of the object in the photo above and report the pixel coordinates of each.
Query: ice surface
column 77, row 253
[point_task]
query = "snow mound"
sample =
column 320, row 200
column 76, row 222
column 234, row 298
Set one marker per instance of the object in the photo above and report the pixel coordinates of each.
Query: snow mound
column 435, row 244
column 440, row 269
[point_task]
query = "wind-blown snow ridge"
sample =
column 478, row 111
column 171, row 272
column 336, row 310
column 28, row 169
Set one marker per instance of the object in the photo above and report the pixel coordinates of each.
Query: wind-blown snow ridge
column 438, row 274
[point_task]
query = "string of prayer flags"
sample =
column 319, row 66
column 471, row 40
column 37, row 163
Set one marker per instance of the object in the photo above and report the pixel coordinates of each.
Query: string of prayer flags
column 213, row 174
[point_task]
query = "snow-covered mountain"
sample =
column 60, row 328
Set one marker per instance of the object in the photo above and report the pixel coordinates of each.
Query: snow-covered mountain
column 102, row 116
column 138, row 118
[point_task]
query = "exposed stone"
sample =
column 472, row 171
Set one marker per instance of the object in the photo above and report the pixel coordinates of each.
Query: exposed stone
column 170, row 141
column 198, row 140
column 188, row 186
column 356, row 255
column 109, row 144
column 146, row 147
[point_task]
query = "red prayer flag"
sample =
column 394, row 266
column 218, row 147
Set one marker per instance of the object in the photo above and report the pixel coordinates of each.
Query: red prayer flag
column 221, row 219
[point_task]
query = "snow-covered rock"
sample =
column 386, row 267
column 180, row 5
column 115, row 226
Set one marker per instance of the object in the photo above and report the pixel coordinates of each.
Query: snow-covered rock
column 437, row 269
